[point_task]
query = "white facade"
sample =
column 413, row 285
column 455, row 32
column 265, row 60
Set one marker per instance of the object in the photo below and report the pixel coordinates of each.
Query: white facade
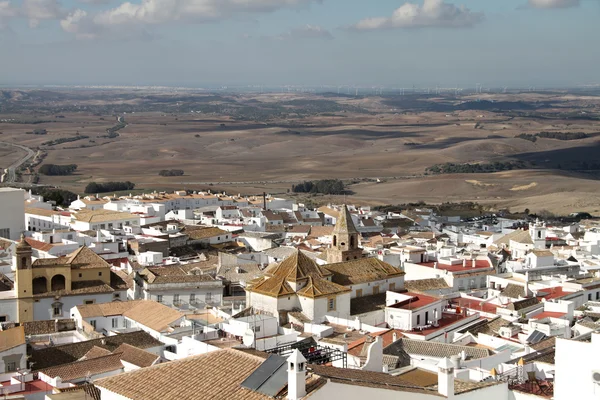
column 577, row 369
column 12, row 212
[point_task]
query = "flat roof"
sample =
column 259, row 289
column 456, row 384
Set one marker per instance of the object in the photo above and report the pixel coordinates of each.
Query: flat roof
column 479, row 264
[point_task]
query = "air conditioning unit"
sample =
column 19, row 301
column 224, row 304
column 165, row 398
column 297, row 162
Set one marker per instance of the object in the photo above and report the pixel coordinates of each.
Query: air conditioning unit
column 596, row 377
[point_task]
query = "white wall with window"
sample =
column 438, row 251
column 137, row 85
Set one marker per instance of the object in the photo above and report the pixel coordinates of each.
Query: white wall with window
column 52, row 308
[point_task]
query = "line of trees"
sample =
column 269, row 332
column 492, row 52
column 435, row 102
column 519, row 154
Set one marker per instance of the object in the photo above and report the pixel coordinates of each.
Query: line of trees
column 452, row 168
column 59, row 196
column 171, row 172
column 553, row 135
column 54, row 169
column 64, row 140
column 103, row 187
column 326, row 186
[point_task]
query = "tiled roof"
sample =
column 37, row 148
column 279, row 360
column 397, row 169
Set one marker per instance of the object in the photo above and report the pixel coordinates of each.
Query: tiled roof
column 518, row 236
column 40, row 211
column 149, row 313
column 521, row 304
column 81, row 258
column 514, row 291
column 329, row 211
column 320, row 287
column 542, row 253
column 48, row 326
column 441, row 350
column 319, row 231
column 12, row 337
column 173, row 274
column 423, row 285
column 67, row 353
column 41, row 246
column 90, row 391
column 81, row 369
column 102, row 215
column 419, row 382
column 95, row 352
column 135, row 356
column 297, row 267
column 199, row 233
column 207, row 376
column 490, row 327
column 363, row 270
column 274, row 287
column 355, row 348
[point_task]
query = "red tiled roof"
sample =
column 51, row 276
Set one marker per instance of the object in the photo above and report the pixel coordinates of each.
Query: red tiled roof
column 355, row 347
column 418, row 300
column 477, row 305
column 549, row 314
column 36, row 244
column 552, row 293
column 479, row 264
column 446, row 320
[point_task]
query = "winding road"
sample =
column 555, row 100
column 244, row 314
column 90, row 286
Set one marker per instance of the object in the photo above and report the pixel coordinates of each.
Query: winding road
column 11, row 176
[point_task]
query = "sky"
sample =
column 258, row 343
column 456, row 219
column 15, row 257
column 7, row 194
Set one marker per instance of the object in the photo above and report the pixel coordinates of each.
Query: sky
column 513, row 43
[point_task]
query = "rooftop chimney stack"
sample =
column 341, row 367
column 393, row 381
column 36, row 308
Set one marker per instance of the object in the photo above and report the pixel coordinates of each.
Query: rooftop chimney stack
column 474, row 263
column 446, row 378
column 296, row 376
column 464, row 262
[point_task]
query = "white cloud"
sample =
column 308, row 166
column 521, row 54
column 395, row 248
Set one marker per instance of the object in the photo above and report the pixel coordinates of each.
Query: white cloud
column 433, row 13
column 132, row 17
column 163, row 11
column 37, row 10
column 553, row 3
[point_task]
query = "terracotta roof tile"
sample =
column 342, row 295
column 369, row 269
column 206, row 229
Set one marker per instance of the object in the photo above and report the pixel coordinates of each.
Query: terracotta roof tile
column 81, row 369
column 361, row 271
column 206, row 376
column 135, row 356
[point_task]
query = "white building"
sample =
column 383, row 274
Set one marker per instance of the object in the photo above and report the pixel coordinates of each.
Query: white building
column 12, row 211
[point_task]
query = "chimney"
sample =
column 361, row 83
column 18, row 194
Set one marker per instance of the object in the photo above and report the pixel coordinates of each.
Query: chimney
column 474, row 263
column 374, row 361
column 394, row 337
column 435, row 265
column 464, row 262
column 296, row 376
column 446, row 378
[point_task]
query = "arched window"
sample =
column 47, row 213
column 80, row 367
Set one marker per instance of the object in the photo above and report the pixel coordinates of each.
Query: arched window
column 58, row 282
column 40, row 285
column 334, row 240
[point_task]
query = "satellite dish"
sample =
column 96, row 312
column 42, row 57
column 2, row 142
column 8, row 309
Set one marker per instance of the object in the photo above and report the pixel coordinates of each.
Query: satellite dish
column 248, row 338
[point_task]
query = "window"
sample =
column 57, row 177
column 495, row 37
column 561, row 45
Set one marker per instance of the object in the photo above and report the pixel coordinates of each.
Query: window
column 257, row 328
column 192, row 298
column 102, row 226
column 93, row 323
column 597, row 295
column 208, row 297
column 426, row 317
column 175, row 298
column 3, row 318
column 159, row 298
column 80, row 274
column 590, row 297
column 358, row 292
column 115, row 323
column 11, row 366
column 100, row 273
column 375, row 289
column 88, row 301
column 418, row 320
column 331, row 304
column 117, row 295
column 57, row 311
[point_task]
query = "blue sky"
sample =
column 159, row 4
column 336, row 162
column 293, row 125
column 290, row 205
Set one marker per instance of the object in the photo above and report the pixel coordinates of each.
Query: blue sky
column 303, row 42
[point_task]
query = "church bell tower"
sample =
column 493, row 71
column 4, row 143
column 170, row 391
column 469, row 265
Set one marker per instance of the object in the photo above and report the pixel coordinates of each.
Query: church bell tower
column 23, row 280
column 344, row 246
